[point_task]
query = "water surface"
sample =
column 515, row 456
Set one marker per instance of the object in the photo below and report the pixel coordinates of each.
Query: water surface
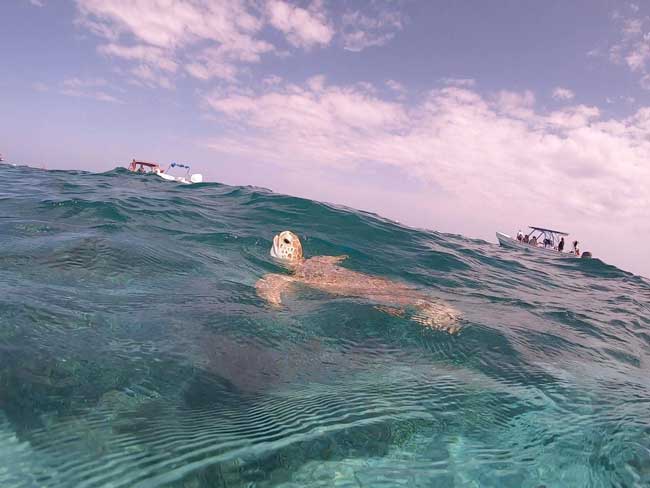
column 134, row 351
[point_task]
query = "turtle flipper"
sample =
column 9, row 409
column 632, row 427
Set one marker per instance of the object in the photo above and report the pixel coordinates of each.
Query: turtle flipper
column 271, row 287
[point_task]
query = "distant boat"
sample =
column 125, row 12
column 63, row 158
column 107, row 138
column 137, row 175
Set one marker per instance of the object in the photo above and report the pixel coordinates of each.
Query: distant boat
column 193, row 178
column 545, row 241
column 145, row 167
column 6, row 162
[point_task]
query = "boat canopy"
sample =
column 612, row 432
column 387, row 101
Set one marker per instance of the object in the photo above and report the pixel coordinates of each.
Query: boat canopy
column 179, row 165
column 140, row 165
column 550, row 231
column 547, row 237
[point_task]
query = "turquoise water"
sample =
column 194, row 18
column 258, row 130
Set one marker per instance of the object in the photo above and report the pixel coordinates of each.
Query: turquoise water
column 134, row 351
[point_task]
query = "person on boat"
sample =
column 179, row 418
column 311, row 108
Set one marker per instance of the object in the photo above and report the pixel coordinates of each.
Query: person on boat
column 576, row 251
column 520, row 236
column 533, row 241
column 560, row 246
column 547, row 242
column 526, row 240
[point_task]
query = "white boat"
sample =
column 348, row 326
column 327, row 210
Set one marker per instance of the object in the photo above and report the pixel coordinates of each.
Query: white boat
column 194, row 178
column 145, row 167
column 546, row 241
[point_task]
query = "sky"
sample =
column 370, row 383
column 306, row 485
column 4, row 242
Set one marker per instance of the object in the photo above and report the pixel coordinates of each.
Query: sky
column 465, row 117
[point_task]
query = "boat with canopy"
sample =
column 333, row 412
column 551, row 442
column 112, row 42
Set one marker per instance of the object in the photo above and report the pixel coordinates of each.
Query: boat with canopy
column 193, row 178
column 145, row 167
column 541, row 239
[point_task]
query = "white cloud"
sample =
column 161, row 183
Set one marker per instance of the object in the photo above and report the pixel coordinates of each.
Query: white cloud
column 637, row 57
column 397, row 87
column 210, row 39
column 74, row 83
column 573, row 117
column 632, row 27
column 37, row 3
column 212, row 69
column 310, row 108
column 145, row 76
column 171, row 25
column 560, row 93
column 515, row 104
column 222, row 63
column 316, row 83
column 302, row 27
column 272, row 80
column 633, row 47
column 94, row 88
column 99, row 95
column 463, row 82
column 457, row 140
column 217, row 39
column 375, row 26
column 148, row 54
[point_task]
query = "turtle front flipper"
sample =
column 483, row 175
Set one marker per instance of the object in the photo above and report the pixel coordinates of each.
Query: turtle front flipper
column 271, row 287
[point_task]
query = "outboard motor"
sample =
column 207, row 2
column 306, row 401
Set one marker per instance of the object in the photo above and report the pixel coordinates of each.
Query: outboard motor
column 586, row 255
column 196, row 178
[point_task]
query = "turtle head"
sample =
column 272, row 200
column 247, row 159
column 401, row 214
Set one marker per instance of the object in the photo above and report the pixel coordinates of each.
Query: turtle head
column 287, row 247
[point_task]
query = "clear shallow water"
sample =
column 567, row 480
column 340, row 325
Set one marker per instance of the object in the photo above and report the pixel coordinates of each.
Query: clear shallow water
column 134, row 351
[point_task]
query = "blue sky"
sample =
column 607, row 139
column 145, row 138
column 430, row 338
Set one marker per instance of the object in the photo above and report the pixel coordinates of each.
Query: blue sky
column 464, row 117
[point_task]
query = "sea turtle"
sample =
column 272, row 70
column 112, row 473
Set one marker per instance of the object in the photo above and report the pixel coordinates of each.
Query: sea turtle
column 325, row 274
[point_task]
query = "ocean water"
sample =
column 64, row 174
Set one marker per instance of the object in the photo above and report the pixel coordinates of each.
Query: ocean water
column 134, row 351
